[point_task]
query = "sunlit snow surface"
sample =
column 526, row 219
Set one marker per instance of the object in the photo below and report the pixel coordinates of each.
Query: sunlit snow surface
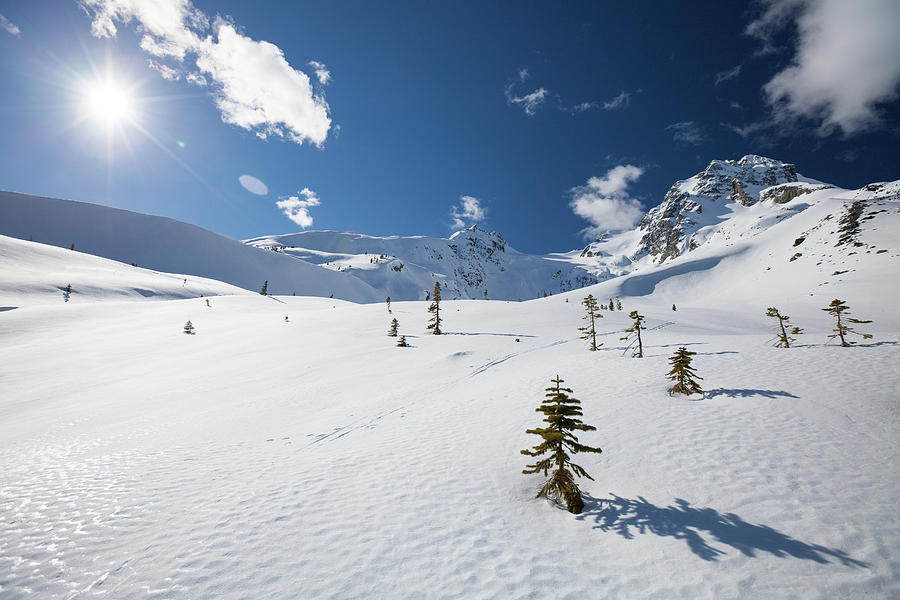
column 312, row 458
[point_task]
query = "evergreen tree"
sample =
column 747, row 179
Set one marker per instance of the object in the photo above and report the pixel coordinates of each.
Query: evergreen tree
column 836, row 309
column 265, row 288
column 633, row 334
column 618, row 303
column 72, row 247
column 673, row 307
column 561, row 413
column 683, row 374
column 402, row 342
column 434, row 323
column 611, row 305
column 68, row 288
column 392, row 331
column 189, row 328
column 589, row 331
column 782, row 339
column 388, row 300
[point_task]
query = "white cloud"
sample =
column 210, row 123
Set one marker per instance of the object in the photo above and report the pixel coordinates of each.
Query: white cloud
column 529, row 102
column 620, row 101
column 297, row 209
column 166, row 71
column 687, row 132
column 322, row 72
column 468, row 212
column 723, row 76
column 253, row 84
column 749, row 129
column 9, row 27
column 605, row 201
column 253, row 185
column 845, row 61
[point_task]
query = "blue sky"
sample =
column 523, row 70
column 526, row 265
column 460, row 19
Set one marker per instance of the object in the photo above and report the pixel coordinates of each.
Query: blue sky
column 435, row 114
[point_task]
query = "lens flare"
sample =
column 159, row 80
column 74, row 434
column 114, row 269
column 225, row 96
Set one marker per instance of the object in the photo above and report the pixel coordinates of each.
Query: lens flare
column 109, row 102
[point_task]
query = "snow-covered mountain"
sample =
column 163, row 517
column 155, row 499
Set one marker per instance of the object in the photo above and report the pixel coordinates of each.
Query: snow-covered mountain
column 473, row 263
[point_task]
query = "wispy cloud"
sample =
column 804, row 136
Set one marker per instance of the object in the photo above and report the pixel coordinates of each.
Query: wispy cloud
column 9, row 27
column 605, row 201
column 687, row 132
column 844, row 64
column 468, row 212
column 296, row 208
column 622, row 100
column 321, row 71
column 749, row 129
column 528, row 102
column 723, row 76
column 253, row 85
column 166, row 71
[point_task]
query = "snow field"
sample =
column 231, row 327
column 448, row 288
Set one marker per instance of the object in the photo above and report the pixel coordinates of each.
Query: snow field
column 313, row 458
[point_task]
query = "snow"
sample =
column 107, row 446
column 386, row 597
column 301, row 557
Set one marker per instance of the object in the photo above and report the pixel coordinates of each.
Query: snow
column 313, row 458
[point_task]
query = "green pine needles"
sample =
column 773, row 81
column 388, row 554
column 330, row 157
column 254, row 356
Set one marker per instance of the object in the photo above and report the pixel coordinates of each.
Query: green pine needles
column 434, row 323
column 782, row 339
column 683, row 374
column 633, row 335
column 838, row 308
column 589, row 331
column 392, row 330
column 561, row 413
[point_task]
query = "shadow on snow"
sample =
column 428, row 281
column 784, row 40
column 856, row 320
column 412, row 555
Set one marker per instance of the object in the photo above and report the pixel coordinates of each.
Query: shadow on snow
column 747, row 393
column 628, row 517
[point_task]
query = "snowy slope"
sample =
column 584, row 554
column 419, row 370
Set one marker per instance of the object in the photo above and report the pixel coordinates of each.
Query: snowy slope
column 168, row 245
column 33, row 273
column 313, row 458
column 473, row 263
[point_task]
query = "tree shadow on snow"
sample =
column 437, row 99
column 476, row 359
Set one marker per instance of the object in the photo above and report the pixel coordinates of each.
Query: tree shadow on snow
column 627, row 517
column 746, row 393
column 519, row 335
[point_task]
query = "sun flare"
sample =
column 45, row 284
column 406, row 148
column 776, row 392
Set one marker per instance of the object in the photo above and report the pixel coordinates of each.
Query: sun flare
column 109, row 102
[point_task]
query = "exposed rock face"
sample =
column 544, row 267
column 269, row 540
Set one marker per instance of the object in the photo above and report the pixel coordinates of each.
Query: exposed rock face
column 692, row 203
column 782, row 194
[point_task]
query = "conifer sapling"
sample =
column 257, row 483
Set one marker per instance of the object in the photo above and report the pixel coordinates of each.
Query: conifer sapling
column 683, row 374
column 561, row 413
column 611, row 305
column 189, row 328
column 388, row 300
column 402, row 342
column 633, row 335
column 589, row 331
column 838, row 308
column 265, row 288
column 434, row 323
column 392, row 330
column 783, row 338
column 618, row 303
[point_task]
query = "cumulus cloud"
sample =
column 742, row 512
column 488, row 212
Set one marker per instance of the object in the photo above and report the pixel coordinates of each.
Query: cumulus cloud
column 605, row 201
column 321, row 71
column 9, row 27
column 254, row 86
column 726, row 75
column 468, row 212
column 687, row 132
column 296, row 208
column 844, row 65
column 253, row 185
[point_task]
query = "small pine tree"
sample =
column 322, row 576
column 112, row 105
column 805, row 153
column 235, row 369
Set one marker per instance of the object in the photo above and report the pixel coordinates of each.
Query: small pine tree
column 392, row 331
column 434, row 323
column 611, row 305
column 782, row 339
column 683, row 374
column 673, row 307
column 207, row 302
column 836, row 309
column 561, row 413
column 72, row 247
column 388, row 300
column 68, row 288
column 589, row 331
column 633, row 334
column 618, row 303
column 189, row 328
column 265, row 288
column 402, row 342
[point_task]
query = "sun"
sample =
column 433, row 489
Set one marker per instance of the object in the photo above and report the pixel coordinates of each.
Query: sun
column 109, row 102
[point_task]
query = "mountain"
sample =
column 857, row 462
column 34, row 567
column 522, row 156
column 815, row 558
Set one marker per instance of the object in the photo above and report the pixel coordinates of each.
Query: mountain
column 473, row 263
column 164, row 244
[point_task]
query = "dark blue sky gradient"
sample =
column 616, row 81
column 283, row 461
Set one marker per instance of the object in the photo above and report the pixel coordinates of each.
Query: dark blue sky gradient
column 418, row 92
